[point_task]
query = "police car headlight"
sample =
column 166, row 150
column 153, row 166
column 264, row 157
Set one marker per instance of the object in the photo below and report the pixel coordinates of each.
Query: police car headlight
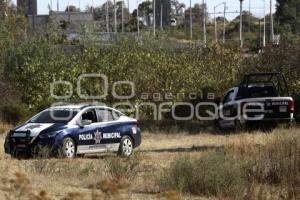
column 50, row 135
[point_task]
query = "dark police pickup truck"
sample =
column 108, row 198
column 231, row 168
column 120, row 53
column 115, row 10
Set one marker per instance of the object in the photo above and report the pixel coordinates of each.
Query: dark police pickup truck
column 261, row 97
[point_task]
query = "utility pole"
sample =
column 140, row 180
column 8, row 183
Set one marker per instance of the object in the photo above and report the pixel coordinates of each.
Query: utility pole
column 137, row 19
column 122, row 16
column 107, row 17
column 154, row 18
column 93, row 6
column 249, row 17
column 271, row 23
column 115, row 16
column 69, row 16
column 204, row 23
column 264, row 37
column 259, row 32
column 128, row 7
column 215, row 20
column 57, row 5
column 224, row 23
column 161, row 15
column 241, row 23
column 191, row 20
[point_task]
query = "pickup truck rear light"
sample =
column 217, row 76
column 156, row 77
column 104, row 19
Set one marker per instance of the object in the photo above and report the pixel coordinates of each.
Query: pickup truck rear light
column 292, row 106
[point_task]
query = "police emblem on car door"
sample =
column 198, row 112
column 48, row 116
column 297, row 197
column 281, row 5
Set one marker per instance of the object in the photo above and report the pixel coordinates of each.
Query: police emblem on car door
column 97, row 137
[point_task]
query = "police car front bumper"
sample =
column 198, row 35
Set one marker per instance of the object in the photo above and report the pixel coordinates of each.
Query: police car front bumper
column 29, row 145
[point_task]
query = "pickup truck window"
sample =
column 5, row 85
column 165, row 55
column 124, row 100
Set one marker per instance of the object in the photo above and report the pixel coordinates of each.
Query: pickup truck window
column 260, row 92
column 229, row 96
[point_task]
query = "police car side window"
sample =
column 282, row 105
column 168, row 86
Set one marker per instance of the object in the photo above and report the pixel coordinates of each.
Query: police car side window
column 105, row 115
column 90, row 115
column 116, row 115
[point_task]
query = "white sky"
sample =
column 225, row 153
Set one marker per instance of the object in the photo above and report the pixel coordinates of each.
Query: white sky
column 233, row 5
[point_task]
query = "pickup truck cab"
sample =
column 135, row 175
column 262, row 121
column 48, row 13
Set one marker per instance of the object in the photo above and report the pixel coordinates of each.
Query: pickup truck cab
column 259, row 97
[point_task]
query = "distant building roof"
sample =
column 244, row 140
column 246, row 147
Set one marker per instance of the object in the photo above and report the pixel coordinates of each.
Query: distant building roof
column 71, row 16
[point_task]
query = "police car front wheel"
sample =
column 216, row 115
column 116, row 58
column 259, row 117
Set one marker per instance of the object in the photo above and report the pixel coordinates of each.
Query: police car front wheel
column 69, row 148
column 126, row 147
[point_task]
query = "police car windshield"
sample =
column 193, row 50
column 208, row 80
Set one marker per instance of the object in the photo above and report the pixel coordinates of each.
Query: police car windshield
column 54, row 116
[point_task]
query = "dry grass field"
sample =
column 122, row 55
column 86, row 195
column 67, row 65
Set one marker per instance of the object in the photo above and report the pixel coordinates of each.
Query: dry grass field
column 105, row 176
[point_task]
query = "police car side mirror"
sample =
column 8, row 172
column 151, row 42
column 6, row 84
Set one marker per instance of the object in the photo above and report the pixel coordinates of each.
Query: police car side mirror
column 83, row 123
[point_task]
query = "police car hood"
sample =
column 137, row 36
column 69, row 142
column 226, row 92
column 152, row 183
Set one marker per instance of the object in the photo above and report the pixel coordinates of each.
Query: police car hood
column 34, row 128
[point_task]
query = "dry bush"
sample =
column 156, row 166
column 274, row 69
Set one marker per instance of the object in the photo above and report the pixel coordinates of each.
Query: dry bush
column 67, row 168
column 123, row 168
column 277, row 163
column 110, row 189
column 42, row 195
column 256, row 191
column 4, row 128
column 73, row 196
column 214, row 174
column 171, row 195
column 17, row 187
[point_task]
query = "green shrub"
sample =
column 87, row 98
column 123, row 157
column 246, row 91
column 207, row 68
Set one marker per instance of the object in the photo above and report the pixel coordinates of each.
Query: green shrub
column 15, row 112
column 150, row 66
column 214, row 174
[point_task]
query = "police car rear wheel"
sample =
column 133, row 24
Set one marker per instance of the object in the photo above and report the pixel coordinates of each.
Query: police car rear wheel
column 69, row 148
column 126, row 147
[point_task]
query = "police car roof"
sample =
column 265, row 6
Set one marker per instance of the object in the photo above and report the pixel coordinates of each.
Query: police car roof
column 75, row 106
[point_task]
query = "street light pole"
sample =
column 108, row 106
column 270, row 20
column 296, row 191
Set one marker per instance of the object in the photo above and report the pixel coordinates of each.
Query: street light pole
column 241, row 23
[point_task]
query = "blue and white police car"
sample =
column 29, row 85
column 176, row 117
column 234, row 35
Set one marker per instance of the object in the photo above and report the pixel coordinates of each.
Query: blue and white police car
column 74, row 130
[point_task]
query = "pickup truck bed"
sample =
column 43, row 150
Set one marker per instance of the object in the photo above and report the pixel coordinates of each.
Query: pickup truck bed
column 255, row 102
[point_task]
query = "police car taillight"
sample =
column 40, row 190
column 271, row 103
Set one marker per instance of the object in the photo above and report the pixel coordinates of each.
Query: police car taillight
column 292, row 105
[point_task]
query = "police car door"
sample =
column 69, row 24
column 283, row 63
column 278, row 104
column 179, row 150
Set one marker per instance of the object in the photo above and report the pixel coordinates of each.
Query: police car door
column 87, row 135
column 111, row 129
